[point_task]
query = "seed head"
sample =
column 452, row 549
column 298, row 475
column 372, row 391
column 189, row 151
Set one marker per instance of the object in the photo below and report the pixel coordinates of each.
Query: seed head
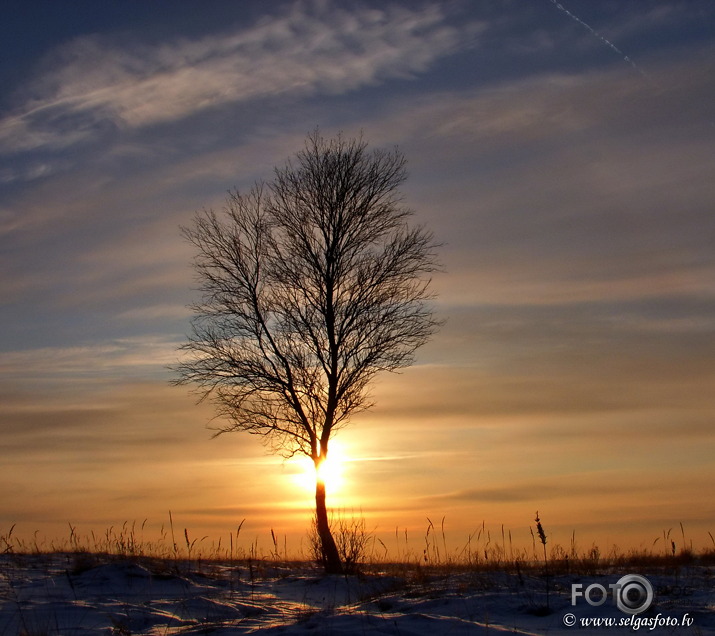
column 540, row 529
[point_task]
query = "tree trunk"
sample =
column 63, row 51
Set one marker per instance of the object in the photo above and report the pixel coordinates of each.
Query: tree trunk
column 331, row 557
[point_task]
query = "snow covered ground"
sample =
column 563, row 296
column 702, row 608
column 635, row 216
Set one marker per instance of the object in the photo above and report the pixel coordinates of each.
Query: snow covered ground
column 67, row 594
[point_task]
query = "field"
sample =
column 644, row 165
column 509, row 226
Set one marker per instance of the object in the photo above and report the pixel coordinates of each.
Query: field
column 125, row 589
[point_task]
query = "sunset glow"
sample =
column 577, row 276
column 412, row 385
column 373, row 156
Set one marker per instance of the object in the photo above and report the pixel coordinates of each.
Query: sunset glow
column 563, row 158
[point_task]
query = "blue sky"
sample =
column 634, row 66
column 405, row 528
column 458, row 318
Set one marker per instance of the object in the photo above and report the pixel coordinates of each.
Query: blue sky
column 563, row 153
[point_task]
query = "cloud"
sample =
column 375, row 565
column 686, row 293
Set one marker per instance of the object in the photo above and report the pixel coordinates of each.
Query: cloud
column 123, row 450
column 92, row 362
column 311, row 48
column 581, row 485
column 563, row 188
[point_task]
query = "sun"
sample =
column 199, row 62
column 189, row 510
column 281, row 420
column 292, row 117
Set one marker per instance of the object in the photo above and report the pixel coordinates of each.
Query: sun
column 331, row 471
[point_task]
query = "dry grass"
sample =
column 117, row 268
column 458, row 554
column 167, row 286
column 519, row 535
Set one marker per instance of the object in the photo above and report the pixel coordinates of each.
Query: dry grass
column 363, row 551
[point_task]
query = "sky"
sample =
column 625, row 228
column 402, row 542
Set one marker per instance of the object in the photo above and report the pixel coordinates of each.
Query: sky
column 562, row 153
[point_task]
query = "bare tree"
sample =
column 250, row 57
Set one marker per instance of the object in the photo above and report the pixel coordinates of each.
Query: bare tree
column 311, row 284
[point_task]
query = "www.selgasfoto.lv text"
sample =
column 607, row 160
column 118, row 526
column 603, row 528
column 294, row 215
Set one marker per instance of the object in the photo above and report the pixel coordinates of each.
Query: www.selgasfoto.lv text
column 634, row 622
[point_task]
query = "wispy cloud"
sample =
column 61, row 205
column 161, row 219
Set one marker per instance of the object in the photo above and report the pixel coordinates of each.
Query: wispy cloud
column 598, row 170
column 98, row 361
column 587, row 485
column 313, row 47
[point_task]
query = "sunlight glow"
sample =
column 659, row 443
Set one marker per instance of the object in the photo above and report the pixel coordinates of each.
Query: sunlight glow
column 331, row 471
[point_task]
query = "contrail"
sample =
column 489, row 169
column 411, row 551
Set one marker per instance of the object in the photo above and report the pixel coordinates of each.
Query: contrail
column 613, row 47
column 608, row 43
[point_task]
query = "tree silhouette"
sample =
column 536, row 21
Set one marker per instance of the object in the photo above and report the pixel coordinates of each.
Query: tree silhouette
column 311, row 284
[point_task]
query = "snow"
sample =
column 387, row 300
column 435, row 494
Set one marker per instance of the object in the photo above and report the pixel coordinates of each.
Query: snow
column 69, row 594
